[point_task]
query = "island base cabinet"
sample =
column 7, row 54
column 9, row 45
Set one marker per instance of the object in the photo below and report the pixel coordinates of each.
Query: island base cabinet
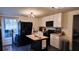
column 39, row 45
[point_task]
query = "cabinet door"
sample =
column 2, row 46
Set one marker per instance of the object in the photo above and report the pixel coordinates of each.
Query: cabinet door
column 51, row 40
column 54, row 41
column 43, row 44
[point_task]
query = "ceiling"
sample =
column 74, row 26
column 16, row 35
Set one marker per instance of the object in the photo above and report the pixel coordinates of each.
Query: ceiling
column 37, row 11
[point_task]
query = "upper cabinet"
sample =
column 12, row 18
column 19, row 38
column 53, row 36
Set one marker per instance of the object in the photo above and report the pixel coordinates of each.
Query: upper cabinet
column 56, row 18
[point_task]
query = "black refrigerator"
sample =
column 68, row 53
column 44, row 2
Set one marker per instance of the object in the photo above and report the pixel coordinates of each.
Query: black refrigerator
column 25, row 29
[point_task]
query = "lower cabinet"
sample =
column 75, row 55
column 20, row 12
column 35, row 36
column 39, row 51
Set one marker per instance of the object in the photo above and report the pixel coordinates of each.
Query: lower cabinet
column 39, row 45
column 36, row 45
column 55, row 40
column 59, row 42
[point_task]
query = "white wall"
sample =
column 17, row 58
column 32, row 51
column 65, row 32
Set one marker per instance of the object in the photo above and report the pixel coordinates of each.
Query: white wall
column 67, row 24
column 56, row 18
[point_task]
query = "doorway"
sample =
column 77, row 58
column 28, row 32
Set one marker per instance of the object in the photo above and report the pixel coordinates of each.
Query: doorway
column 10, row 29
column 75, row 41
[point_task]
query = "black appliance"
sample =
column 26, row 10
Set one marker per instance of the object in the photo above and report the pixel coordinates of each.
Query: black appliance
column 0, row 41
column 49, row 24
column 47, row 33
column 25, row 29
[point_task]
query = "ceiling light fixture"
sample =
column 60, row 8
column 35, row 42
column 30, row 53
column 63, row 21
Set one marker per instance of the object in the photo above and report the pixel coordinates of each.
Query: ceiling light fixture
column 31, row 15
